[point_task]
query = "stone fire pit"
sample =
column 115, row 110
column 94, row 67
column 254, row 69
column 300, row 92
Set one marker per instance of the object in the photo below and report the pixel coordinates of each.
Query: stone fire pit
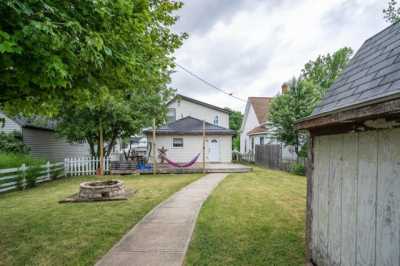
column 93, row 190
column 99, row 191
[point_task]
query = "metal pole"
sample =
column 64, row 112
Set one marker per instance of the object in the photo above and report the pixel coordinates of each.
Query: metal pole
column 204, row 146
column 154, row 148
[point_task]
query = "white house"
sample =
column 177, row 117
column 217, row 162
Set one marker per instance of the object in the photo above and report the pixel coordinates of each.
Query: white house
column 255, row 129
column 42, row 139
column 182, row 135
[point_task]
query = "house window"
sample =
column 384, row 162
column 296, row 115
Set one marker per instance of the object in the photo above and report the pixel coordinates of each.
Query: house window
column 171, row 115
column 261, row 140
column 177, row 142
column 252, row 143
column 245, row 145
column 216, row 120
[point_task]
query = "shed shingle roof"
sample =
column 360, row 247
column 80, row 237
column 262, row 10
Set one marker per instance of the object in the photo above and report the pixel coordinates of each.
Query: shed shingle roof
column 373, row 73
column 260, row 106
column 191, row 126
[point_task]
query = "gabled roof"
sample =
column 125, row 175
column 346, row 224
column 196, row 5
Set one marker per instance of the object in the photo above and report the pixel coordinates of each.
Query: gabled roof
column 258, row 130
column 371, row 75
column 189, row 126
column 33, row 122
column 260, row 107
column 180, row 96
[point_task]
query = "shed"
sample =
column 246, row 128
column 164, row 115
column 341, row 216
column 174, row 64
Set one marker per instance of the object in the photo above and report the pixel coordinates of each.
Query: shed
column 40, row 136
column 353, row 192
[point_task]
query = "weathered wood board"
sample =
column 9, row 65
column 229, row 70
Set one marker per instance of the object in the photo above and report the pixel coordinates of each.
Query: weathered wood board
column 323, row 193
column 356, row 199
column 388, row 195
column 349, row 199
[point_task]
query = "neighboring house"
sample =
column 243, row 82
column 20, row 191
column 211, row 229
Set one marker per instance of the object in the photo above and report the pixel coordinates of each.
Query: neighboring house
column 182, row 135
column 255, row 129
column 42, row 140
column 353, row 202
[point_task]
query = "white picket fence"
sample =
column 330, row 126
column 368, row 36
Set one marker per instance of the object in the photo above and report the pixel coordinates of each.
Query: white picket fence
column 84, row 166
column 9, row 177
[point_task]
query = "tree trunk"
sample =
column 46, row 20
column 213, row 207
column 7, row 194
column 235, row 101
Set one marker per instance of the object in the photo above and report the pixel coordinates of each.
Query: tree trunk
column 111, row 145
column 101, row 151
column 91, row 147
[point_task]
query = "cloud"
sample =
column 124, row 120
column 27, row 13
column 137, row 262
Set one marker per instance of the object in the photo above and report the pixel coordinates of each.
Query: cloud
column 251, row 47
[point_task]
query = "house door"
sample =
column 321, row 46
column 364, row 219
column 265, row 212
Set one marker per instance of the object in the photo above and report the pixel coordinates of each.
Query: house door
column 213, row 155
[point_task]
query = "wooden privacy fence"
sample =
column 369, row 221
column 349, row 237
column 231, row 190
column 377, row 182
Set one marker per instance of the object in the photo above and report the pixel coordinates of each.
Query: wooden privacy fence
column 268, row 155
column 271, row 156
column 13, row 178
column 84, row 166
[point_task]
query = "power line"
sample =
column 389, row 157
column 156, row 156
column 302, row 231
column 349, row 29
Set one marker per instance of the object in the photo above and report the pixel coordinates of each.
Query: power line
column 208, row 83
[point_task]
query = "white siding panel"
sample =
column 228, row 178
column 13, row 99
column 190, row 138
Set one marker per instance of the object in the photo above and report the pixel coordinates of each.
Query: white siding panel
column 9, row 125
column 47, row 145
column 250, row 122
column 186, row 108
column 192, row 145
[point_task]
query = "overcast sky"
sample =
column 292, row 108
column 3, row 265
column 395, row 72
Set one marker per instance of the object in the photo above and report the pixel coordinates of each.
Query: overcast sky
column 250, row 47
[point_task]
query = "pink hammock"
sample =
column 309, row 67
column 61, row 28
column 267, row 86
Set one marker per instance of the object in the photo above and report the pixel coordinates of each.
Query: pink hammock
column 182, row 165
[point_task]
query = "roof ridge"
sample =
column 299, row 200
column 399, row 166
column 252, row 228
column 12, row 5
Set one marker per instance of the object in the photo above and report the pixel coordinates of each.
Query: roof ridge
column 195, row 101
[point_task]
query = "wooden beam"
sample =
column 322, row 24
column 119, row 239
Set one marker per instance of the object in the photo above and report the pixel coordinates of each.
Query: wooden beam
column 356, row 114
column 309, row 211
column 204, row 146
column 154, row 148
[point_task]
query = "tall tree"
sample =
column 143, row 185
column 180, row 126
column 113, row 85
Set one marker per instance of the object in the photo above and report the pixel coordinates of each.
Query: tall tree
column 54, row 51
column 132, row 87
column 285, row 109
column 235, row 122
column 303, row 95
column 392, row 12
column 121, row 116
column 325, row 69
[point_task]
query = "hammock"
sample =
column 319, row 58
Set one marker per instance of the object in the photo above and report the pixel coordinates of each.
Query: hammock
column 182, row 165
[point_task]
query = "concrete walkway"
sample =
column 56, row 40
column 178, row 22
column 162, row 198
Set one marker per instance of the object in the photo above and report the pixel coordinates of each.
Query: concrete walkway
column 162, row 237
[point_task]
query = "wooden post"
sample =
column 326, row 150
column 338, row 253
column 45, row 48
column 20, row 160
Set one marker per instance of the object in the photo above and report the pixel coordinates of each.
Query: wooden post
column 101, row 150
column 154, row 148
column 204, row 146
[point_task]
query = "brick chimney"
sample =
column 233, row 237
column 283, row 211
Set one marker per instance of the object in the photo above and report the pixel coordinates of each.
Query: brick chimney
column 285, row 88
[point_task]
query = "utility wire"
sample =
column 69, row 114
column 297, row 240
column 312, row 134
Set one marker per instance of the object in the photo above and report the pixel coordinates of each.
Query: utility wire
column 208, row 83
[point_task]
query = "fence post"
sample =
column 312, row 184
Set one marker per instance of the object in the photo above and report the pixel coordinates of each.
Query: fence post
column 23, row 173
column 48, row 170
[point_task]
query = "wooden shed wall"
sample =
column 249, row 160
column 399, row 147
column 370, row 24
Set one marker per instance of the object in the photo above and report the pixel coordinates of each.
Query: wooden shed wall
column 355, row 204
column 46, row 144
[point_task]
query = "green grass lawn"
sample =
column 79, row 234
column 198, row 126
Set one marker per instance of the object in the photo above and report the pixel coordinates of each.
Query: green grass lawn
column 252, row 219
column 12, row 160
column 37, row 230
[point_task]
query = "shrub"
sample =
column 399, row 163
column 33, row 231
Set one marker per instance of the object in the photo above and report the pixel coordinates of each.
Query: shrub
column 32, row 174
column 12, row 143
column 297, row 169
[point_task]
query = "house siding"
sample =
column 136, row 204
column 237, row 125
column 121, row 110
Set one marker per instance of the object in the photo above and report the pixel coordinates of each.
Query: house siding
column 46, row 144
column 355, row 199
column 185, row 108
column 9, row 126
column 250, row 122
column 192, row 145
